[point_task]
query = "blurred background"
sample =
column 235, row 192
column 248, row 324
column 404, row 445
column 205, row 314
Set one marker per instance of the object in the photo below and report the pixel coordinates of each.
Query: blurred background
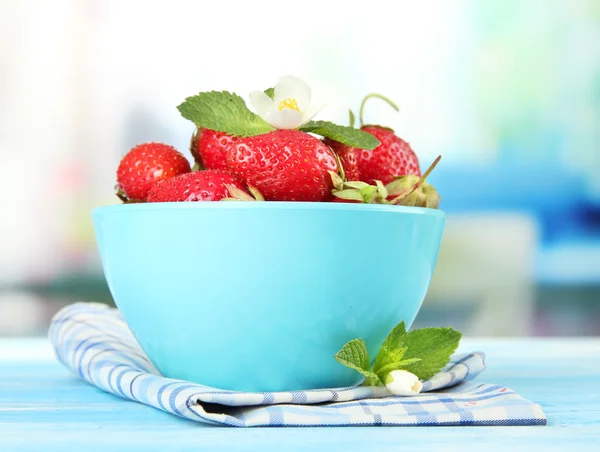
column 507, row 90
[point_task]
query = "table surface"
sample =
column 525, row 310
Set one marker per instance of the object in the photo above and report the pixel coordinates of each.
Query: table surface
column 44, row 407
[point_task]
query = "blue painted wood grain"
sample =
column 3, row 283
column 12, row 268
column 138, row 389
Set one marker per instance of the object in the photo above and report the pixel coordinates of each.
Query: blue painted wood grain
column 43, row 407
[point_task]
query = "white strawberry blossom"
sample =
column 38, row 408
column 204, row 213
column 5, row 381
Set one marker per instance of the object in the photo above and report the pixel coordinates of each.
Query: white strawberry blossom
column 403, row 383
column 291, row 104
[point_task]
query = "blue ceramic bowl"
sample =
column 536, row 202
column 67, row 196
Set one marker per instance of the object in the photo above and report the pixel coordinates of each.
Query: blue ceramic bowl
column 259, row 296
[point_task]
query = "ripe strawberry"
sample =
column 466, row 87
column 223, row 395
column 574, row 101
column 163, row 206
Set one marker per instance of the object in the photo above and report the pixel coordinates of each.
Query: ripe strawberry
column 209, row 148
column 284, row 165
column 206, row 185
column 393, row 157
column 347, row 155
column 145, row 165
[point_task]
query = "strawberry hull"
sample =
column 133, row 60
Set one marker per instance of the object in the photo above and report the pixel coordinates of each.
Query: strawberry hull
column 259, row 296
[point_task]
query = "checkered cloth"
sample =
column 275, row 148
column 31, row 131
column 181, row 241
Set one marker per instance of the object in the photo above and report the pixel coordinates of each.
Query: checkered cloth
column 94, row 342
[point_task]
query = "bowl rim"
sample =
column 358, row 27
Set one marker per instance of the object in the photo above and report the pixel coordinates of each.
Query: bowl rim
column 266, row 205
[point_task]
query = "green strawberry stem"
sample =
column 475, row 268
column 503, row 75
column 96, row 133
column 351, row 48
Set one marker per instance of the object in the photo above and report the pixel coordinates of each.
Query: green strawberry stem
column 401, row 196
column 369, row 96
column 341, row 170
column 123, row 197
column 241, row 195
column 121, row 194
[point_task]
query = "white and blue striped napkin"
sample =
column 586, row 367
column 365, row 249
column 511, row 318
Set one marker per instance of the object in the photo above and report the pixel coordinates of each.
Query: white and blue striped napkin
column 94, row 342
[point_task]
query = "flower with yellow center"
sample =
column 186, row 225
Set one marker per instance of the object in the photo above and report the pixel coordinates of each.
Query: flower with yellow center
column 289, row 107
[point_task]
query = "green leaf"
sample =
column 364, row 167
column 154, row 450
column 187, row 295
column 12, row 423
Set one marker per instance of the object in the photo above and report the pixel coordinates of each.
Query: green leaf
column 423, row 352
column 394, row 338
column 270, row 92
column 236, row 193
column 346, row 135
column 338, row 182
column 257, row 194
column 390, row 357
column 381, row 190
column 371, row 378
column 355, row 184
column 391, row 347
column 355, row 356
column 382, row 373
column 368, row 192
column 350, row 194
column 225, row 112
column 342, row 173
column 434, row 346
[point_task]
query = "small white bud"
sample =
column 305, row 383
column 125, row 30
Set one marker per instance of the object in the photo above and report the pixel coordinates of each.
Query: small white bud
column 403, row 383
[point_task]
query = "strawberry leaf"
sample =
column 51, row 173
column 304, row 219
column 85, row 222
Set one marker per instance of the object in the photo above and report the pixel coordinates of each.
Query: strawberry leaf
column 368, row 193
column 225, row 112
column 356, row 184
column 350, row 194
column 346, row 135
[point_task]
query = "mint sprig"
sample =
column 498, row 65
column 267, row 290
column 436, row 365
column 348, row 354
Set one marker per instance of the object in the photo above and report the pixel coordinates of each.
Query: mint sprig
column 424, row 352
column 223, row 111
column 346, row 135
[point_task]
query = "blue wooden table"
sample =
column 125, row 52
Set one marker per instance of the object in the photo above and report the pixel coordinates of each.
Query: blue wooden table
column 43, row 407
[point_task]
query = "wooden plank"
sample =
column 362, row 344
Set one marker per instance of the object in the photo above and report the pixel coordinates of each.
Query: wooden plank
column 43, row 407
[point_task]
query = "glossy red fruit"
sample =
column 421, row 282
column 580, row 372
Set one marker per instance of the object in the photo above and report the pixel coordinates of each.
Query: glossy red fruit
column 209, row 148
column 284, row 165
column 347, row 155
column 393, row 157
column 206, row 185
column 145, row 165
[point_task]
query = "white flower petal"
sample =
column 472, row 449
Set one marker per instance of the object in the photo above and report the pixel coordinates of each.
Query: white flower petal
column 313, row 111
column 403, row 383
column 261, row 103
column 284, row 119
column 295, row 88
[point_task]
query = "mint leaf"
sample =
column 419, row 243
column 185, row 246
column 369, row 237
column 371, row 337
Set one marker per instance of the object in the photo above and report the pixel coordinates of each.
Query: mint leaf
column 381, row 373
column 392, row 345
column 356, row 356
column 225, row 112
column 387, row 357
column 346, row 135
column 434, row 346
column 270, row 92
